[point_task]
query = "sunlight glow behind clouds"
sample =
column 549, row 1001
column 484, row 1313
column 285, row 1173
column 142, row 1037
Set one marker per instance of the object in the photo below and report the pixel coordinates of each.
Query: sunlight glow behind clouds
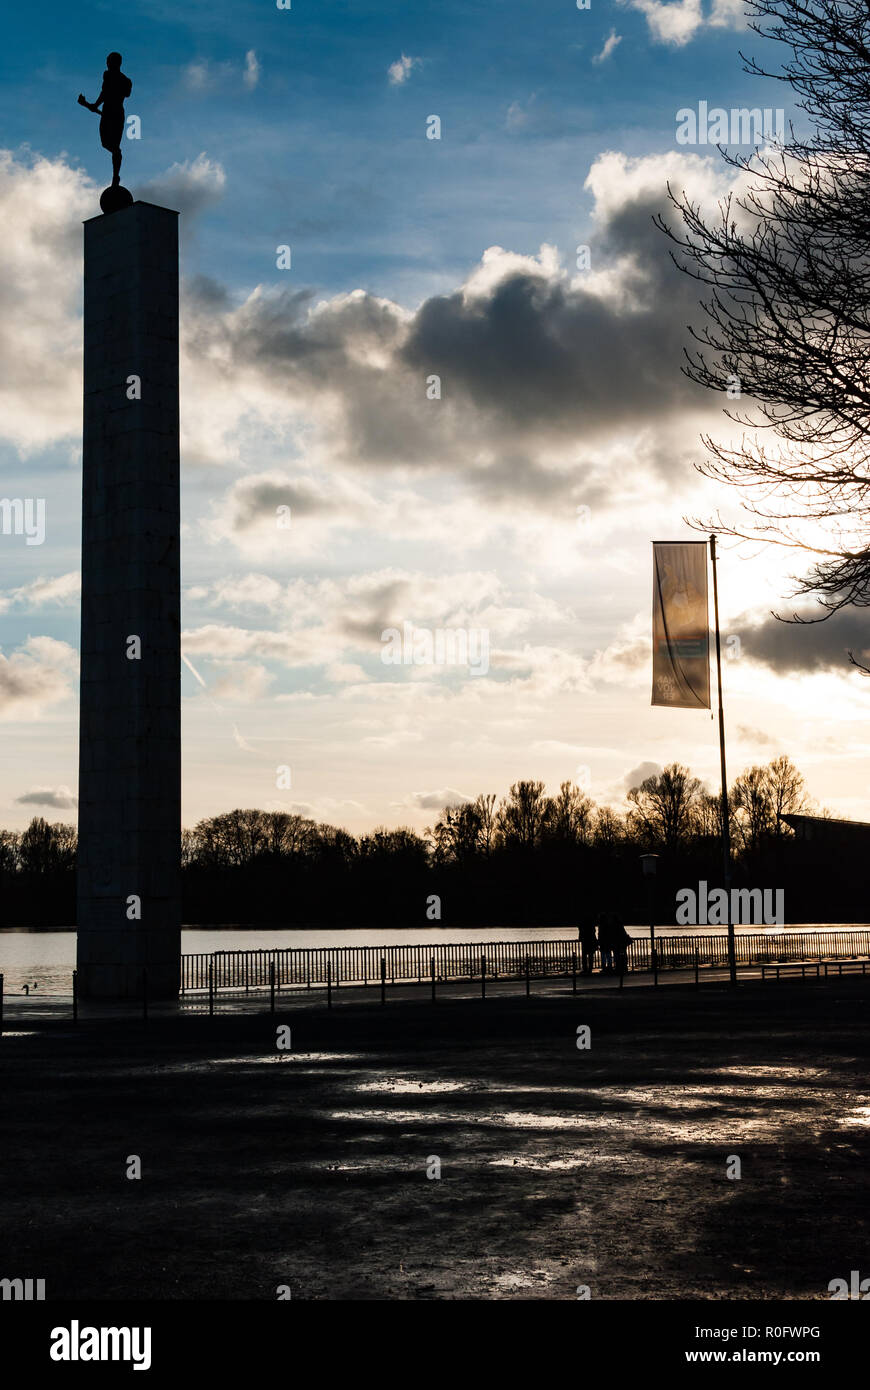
column 560, row 391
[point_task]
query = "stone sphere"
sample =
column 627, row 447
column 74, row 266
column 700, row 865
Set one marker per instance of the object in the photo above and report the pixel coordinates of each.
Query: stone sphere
column 114, row 198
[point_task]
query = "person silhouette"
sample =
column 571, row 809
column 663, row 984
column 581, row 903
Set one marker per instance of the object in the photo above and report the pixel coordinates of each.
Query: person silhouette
column 116, row 88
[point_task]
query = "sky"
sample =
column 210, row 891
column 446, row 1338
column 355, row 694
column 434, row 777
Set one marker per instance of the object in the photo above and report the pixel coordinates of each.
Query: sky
column 443, row 413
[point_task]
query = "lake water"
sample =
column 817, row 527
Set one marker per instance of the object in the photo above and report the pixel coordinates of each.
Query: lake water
column 47, row 958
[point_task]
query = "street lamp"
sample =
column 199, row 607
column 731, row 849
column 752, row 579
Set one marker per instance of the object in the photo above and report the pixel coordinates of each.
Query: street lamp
column 650, row 864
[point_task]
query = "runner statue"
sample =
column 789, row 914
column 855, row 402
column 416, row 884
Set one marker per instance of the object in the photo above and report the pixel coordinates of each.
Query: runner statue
column 116, row 88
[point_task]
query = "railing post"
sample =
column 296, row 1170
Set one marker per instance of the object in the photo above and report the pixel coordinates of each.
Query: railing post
column 527, row 974
column 697, row 963
column 655, row 965
column 75, row 984
column 383, row 980
column 329, row 984
column 211, row 988
column 432, row 973
column 483, row 977
column 271, row 986
column 573, row 972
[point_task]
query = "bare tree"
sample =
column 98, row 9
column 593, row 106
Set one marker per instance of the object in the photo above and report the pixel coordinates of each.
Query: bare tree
column 521, row 815
column 458, row 832
column 664, row 806
column 45, row 848
column 787, row 267
column 609, row 830
column 753, row 806
column 485, row 805
column 569, row 815
column 787, row 791
column 708, row 815
column 8, row 851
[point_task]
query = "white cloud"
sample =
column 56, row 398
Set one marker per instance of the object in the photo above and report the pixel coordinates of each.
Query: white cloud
column 678, row 22
column 276, row 513
column 519, row 115
column 196, row 75
column 612, row 41
column 62, row 589
column 639, row 774
column 189, row 187
column 42, row 205
column 38, row 673
column 252, row 70
column 241, row 682
column 728, row 14
column 437, row 800
column 401, row 70
column 204, row 75
column 675, row 23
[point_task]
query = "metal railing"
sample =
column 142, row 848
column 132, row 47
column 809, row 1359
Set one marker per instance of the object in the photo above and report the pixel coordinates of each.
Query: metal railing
column 302, row 967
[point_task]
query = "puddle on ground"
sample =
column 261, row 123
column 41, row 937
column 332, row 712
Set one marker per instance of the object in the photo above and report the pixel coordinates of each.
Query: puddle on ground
column 858, row 1116
column 690, row 1097
column 534, row 1280
column 796, row 1073
column 404, row 1117
column 545, row 1165
column 408, row 1086
column 301, row 1058
column 523, row 1119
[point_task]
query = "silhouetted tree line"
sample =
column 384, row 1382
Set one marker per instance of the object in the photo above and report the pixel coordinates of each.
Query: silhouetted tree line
column 37, row 875
column 527, row 858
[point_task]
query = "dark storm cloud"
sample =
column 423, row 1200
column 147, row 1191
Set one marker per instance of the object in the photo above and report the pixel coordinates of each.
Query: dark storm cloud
column 58, row 798
column 806, row 647
column 539, row 356
column 203, row 293
column 256, row 497
column 533, row 363
column 639, row 774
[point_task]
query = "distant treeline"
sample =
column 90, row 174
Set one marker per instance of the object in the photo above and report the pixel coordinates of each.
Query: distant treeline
column 527, row 858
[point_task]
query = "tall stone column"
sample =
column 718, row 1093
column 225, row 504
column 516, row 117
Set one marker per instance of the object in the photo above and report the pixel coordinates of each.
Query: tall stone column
column 129, row 884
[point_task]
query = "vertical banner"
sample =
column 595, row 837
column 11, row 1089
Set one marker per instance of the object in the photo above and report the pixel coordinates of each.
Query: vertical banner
column 681, row 629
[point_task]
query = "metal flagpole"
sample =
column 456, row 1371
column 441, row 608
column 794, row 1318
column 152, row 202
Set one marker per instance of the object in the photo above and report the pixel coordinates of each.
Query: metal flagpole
column 726, row 832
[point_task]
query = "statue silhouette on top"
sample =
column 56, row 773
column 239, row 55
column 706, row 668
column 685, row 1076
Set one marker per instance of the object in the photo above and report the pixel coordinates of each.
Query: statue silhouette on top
column 116, row 88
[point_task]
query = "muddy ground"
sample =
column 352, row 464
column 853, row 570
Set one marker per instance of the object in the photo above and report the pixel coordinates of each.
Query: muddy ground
column 559, row 1167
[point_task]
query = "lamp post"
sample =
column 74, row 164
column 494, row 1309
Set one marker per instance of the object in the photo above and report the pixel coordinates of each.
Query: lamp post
column 650, row 864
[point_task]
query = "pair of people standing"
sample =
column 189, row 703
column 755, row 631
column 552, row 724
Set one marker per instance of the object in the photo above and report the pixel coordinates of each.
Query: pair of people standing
column 608, row 935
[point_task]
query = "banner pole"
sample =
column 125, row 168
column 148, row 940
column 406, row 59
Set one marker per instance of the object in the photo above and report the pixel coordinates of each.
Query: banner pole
column 726, row 830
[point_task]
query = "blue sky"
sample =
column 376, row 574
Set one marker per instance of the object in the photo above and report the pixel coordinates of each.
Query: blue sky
column 523, row 502
column 325, row 152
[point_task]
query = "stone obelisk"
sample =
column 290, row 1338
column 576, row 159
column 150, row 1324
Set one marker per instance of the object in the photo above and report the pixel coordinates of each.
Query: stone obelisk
column 129, row 900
